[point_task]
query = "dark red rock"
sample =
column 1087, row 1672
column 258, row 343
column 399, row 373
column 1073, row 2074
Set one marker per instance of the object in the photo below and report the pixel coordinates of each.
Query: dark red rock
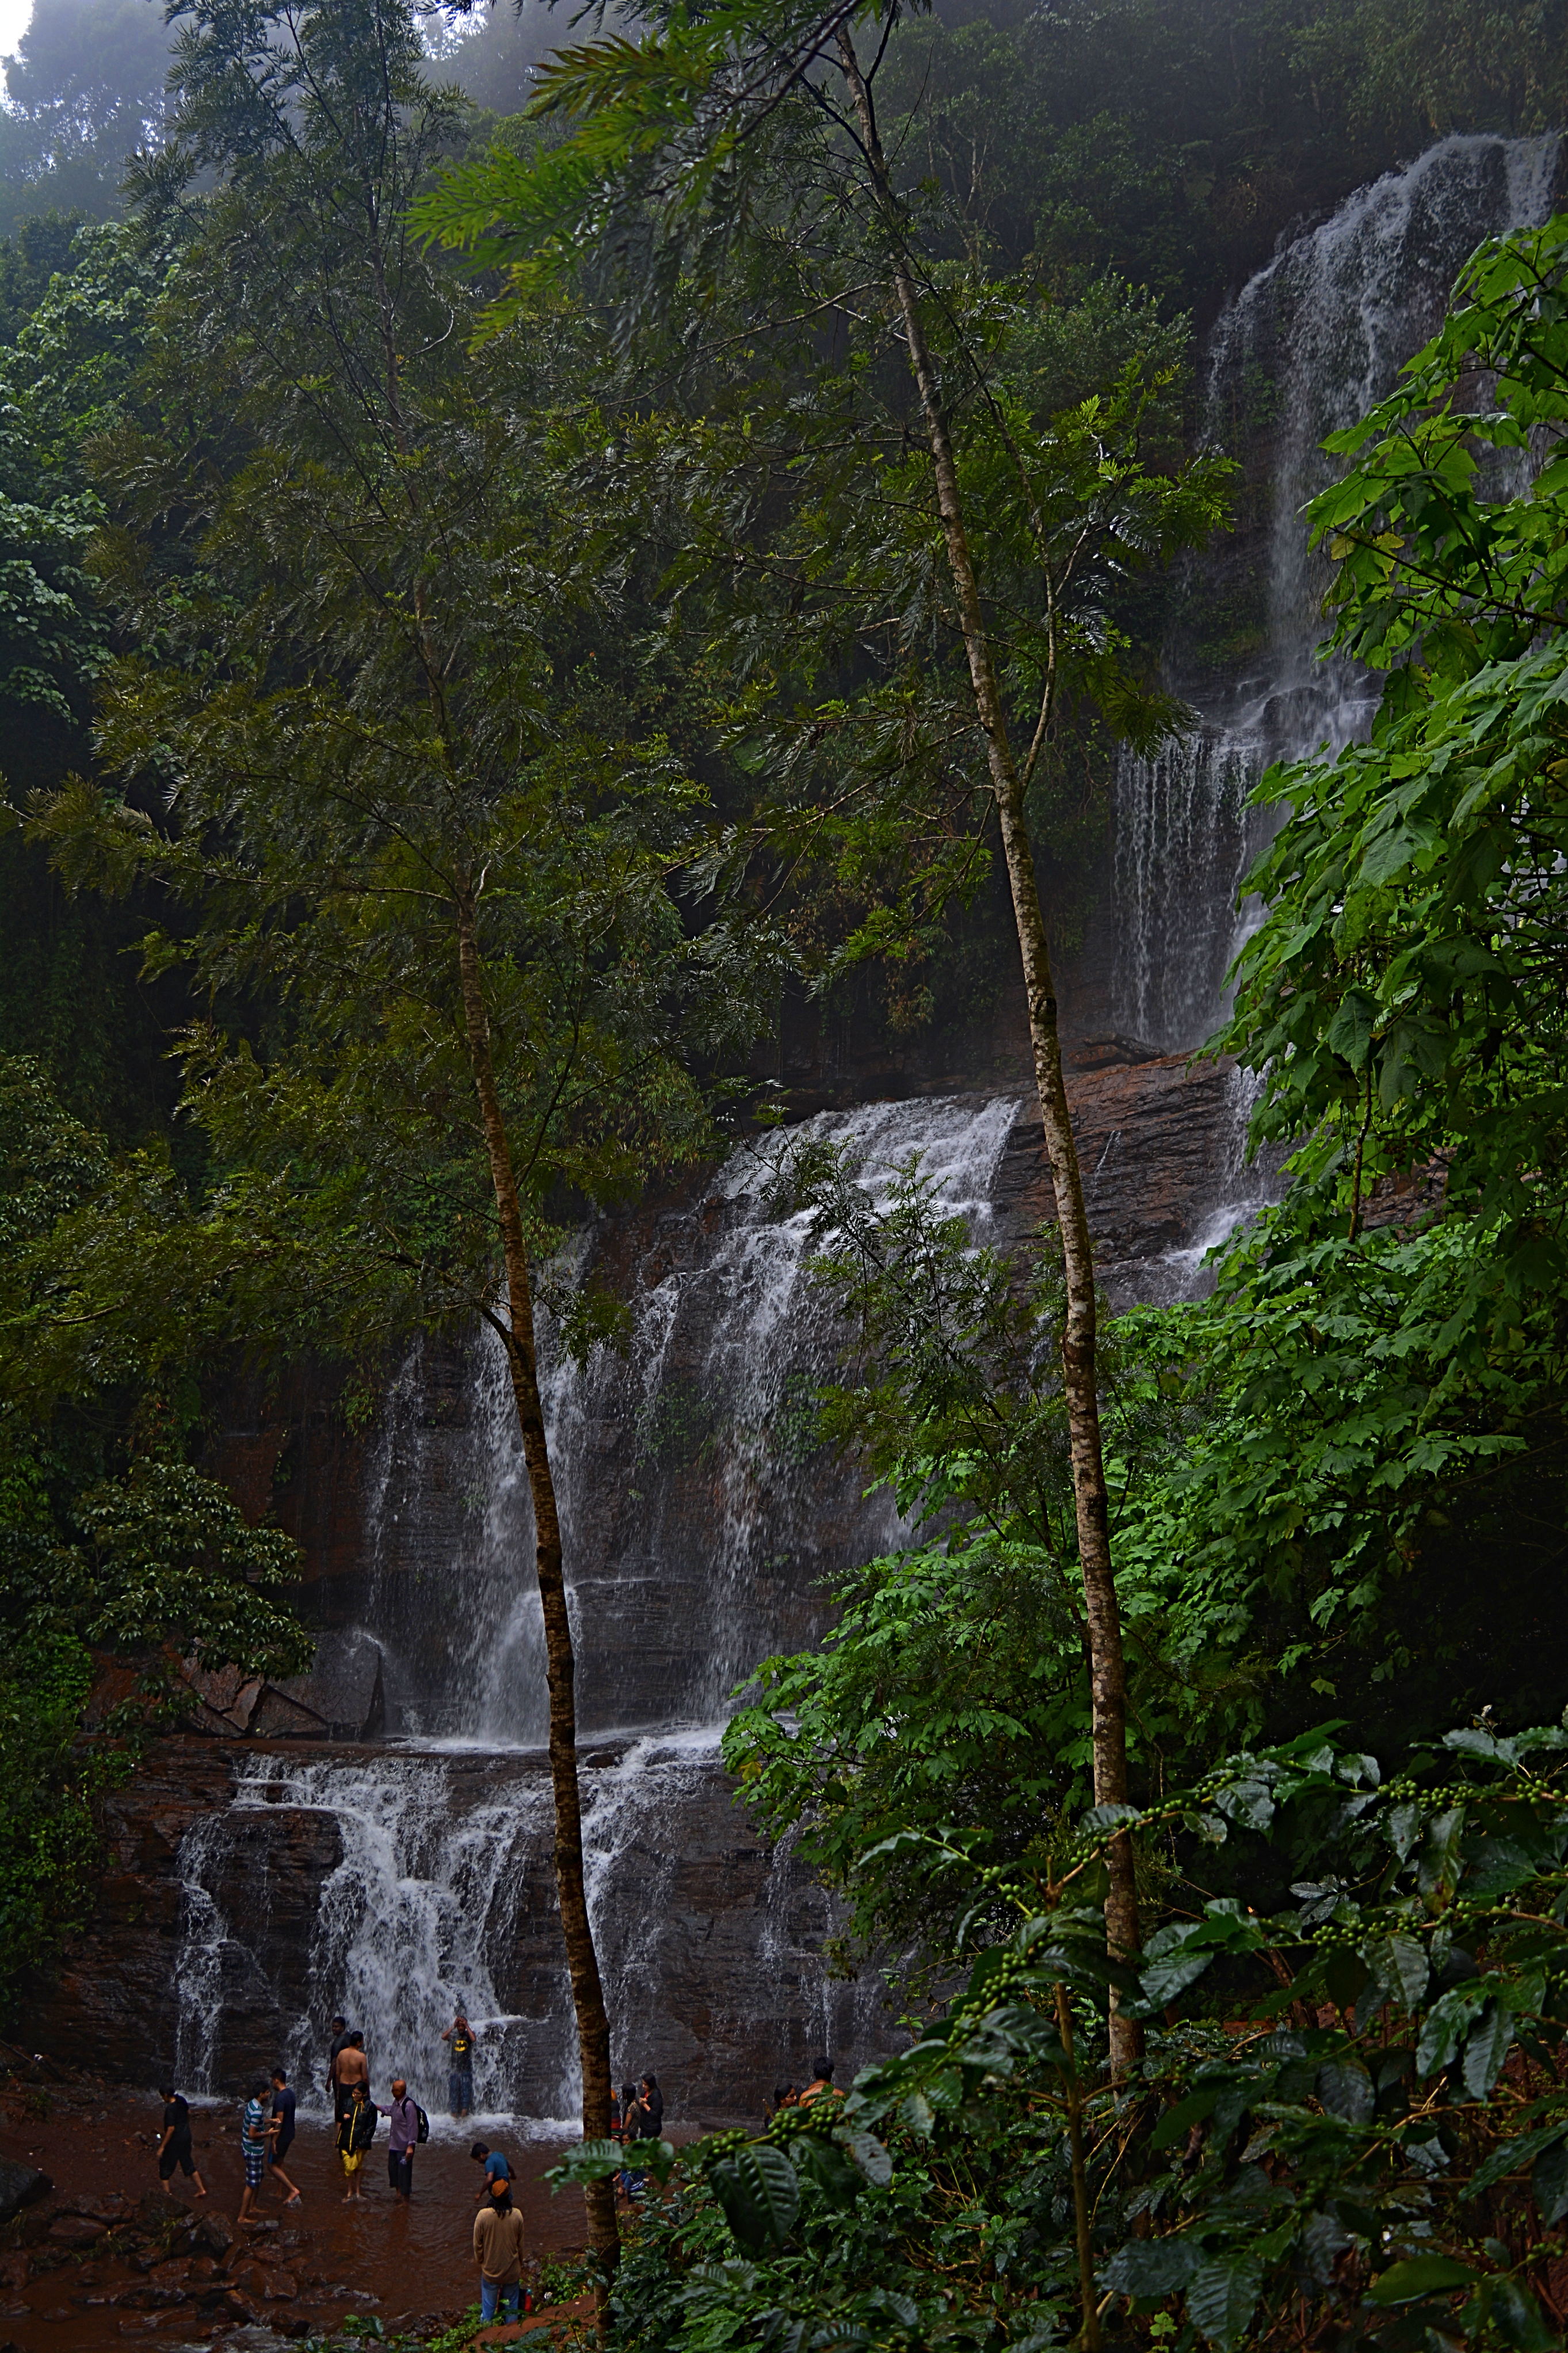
column 75, row 2231
column 106, row 2206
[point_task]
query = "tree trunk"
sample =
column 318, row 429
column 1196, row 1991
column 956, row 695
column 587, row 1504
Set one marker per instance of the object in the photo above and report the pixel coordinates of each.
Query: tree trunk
column 1107, row 1668
column 581, row 1960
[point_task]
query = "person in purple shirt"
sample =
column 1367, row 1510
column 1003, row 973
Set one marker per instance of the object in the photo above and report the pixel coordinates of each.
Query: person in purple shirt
column 403, row 2139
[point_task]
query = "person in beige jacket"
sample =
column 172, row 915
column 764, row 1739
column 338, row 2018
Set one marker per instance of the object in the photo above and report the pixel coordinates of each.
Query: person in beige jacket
column 498, row 2251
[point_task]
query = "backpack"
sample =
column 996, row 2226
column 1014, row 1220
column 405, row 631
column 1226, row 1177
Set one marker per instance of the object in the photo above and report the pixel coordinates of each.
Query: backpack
column 423, row 2122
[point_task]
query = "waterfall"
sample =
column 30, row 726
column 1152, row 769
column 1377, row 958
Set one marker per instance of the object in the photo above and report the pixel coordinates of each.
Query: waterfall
column 1310, row 344
column 700, row 1517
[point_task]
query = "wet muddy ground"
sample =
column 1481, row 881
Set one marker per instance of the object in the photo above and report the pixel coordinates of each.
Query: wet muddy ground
column 110, row 2257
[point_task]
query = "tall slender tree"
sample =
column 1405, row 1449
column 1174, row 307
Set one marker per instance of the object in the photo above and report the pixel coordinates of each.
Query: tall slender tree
column 749, row 138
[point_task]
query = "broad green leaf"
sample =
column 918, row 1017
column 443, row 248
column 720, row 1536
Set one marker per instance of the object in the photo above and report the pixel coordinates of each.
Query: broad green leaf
column 1419, row 2275
column 1345, row 2089
column 872, row 2157
column 1490, row 2040
column 1445, row 2027
column 1222, row 2298
column 1152, row 2266
column 1350, row 1032
column 759, row 2190
column 1510, row 2155
column 1549, row 2180
column 1517, row 2318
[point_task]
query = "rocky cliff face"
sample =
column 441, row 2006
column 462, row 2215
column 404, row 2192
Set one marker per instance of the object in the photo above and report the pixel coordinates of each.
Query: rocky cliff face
column 667, row 1468
column 205, row 1957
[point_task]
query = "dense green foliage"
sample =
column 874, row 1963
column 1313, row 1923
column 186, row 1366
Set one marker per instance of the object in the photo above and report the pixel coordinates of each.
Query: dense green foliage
column 1344, row 2089
column 114, row 1550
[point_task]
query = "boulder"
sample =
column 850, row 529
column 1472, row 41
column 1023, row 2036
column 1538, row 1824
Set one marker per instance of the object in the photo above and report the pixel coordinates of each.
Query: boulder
column 76, row 2230
column 159, row 2206
column 106, row 2206
column 226, row 1695
column 19, row 2186
column 340, row 1699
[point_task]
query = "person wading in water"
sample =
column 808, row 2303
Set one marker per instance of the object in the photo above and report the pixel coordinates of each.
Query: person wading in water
column 460, row 2080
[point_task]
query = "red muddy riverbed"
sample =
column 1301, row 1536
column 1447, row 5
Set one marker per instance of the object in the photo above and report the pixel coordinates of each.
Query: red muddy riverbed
column 75, row 2282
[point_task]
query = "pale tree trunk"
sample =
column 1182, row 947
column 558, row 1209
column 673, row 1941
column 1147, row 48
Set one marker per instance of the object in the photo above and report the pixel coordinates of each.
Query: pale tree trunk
column 1107, row 1668
column 581, row 1960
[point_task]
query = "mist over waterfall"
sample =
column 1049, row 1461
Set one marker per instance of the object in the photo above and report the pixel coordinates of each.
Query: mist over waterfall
column 701, row 1519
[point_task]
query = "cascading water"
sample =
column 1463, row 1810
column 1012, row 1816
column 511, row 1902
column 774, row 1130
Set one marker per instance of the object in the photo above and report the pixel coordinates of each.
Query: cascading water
column 398, row 1882
column 1308, row 346
column 699, row 1517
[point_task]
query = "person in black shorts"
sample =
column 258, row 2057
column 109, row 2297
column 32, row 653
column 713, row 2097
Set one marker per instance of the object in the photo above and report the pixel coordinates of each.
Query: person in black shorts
column 280, row 2133
column 176, row 2147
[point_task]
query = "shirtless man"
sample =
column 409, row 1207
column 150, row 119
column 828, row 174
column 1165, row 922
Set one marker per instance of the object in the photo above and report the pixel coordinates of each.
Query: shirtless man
column 352, row 2067
column 821, row 2082
column 339, row 2038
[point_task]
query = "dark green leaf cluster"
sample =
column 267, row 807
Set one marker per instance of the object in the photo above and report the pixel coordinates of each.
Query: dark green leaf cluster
column 1362, row 2127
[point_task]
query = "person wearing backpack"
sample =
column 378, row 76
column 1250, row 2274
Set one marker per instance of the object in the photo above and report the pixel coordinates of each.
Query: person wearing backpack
column 403, row 2140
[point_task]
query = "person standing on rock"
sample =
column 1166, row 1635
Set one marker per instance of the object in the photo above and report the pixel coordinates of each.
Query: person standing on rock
column 498, row 2251
column 404, row 2141
column 355, row 2135
column 460, row 2079
column 280, row 2133
column 177, row 2147
column 253, row 2146
column 339, row 2038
